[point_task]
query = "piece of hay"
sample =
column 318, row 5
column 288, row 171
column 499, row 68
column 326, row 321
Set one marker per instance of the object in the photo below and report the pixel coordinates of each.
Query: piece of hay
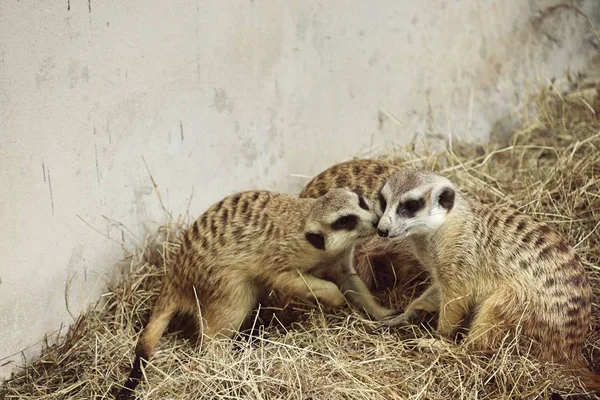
column 551, row 170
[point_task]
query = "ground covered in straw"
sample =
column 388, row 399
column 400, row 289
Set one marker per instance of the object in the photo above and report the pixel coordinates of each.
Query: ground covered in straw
column 551, row 169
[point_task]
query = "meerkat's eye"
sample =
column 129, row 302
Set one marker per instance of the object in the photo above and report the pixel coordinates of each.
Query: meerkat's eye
column 382, row 202
column 362, row 203
column 346, row 223
column 410, row 207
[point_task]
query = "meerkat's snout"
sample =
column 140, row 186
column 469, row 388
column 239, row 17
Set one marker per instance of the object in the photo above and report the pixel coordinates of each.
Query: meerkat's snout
column 392, row 228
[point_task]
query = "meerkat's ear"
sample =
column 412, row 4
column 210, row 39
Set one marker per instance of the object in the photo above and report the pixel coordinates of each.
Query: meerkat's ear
column 446, row 198
column 316, row 239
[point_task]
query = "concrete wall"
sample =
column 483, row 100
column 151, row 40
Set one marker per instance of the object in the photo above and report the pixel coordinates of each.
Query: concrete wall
column 221, row 96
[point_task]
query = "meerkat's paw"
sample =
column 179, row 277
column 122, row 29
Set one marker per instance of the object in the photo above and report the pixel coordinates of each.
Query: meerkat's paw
column 384, row 313
column 431, row 343
column 331, row 295
column 396, row 320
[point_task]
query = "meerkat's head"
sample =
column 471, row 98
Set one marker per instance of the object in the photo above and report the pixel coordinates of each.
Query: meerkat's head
column 338, row 219
column 416, row 203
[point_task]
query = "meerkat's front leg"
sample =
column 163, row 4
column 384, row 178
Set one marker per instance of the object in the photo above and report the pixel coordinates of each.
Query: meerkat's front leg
column 308, row 286
column 429, row 301
column 357, row 292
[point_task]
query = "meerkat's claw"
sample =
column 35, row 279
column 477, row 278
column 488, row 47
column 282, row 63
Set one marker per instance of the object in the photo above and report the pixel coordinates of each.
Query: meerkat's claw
column 397, row 320
column 391, row 313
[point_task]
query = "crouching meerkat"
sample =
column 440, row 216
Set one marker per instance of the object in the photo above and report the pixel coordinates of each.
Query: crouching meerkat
column 244, row 246
column 511, row 271
column 366, row 177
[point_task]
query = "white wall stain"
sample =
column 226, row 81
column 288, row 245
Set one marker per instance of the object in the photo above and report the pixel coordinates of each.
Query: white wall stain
column 227, row 96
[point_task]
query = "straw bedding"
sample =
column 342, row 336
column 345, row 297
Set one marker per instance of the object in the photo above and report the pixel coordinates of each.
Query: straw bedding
column 551, row 169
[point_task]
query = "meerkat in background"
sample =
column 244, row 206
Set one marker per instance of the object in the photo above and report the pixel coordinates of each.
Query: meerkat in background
column 366, row 177
column 505, row 267
column 244, row 246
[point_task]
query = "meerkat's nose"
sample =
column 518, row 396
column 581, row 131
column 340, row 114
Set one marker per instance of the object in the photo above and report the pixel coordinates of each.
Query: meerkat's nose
column 383, row 232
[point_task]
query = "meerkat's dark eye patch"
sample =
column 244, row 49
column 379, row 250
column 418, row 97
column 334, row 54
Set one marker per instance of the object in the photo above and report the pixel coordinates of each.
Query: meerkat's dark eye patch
column 410, row 207
column 382, row 202
column 446, row 198
column 362, row 203
column 316, row 239
column 346, row 223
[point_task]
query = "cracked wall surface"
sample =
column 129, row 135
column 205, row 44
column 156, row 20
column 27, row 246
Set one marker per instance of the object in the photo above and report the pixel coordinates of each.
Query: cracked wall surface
column 217, row 97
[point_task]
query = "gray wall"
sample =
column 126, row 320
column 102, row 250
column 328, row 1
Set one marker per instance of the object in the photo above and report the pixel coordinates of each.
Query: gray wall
column 221, row 96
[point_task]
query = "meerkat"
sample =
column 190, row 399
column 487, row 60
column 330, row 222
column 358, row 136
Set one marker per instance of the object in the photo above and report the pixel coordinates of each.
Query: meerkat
column 512, row 272
column 366, row 177
column 244, row 246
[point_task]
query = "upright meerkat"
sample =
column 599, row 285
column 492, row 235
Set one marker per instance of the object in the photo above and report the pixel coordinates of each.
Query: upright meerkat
column 505, row 267
column 367, row 177
column 244, row 246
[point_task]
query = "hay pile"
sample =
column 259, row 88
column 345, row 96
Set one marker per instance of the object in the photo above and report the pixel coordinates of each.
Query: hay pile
column 550, row 170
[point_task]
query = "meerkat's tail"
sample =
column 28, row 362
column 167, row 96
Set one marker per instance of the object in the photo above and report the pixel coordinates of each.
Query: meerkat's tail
column 590, row 380
column 163, row 312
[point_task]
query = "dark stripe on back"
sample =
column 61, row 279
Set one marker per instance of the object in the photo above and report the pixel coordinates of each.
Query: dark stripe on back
column 369, row 181
column 546, row 253
column 244, row 208
column 264, row 218
column 225, row 217
column 186, row 241
column 218, row 206
column 234, row 203
column 576, row 280
column 269, row 230
column 195, row 230
column 543, row 229
column 213, row 227
column 527, row 238
column 579, row 301
column 524, row 265
column 510, row 219
column 262, row 203
column 539, row 241
column 562, row 246
column 237, row 231
column 549, row 283
column 341, row 181
column 203, row 221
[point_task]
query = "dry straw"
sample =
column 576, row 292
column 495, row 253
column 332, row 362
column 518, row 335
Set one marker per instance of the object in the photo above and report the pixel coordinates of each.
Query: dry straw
column 551, row 169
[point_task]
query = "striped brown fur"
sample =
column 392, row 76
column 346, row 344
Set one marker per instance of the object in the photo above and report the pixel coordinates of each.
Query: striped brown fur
column 512, row 272
column 246, row 245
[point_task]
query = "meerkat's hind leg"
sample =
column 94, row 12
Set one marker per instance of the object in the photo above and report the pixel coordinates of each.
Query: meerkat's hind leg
column 489, row 325
column 224, row 317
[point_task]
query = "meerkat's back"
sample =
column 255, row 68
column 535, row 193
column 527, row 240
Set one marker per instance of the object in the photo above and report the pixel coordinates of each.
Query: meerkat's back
column 364, row 176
